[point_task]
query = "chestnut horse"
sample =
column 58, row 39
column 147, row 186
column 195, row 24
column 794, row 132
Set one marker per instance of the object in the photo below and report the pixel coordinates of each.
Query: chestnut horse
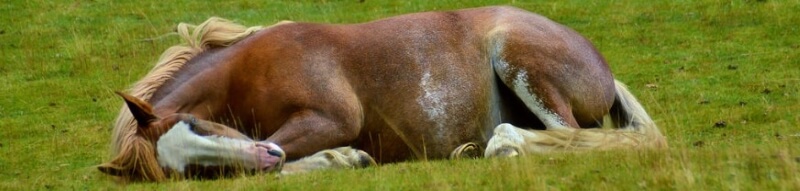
column 417, row 86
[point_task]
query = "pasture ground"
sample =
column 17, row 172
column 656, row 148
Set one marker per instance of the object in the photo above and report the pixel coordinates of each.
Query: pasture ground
column 720, row 77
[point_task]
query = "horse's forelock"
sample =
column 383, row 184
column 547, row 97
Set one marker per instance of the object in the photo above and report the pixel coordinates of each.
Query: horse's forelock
column 139, row 161
column 133, row 150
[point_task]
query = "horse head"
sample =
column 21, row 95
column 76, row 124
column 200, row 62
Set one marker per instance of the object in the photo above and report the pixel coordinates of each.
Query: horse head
column 160, row 146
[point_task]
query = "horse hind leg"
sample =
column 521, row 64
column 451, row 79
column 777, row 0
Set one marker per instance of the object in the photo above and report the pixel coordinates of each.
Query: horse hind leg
column 545, row 102
column 635, row 130
column 532, row 81
column 562, row 132
column 544, row 99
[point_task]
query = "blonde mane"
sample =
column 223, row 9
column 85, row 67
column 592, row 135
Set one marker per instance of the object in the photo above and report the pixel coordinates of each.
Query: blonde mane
column 135, row 154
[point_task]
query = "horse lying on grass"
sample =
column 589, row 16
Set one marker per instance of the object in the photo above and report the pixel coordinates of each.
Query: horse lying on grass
column 420, row 86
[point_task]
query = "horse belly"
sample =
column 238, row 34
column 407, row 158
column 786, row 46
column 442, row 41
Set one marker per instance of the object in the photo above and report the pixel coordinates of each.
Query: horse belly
column 426, row 113
column 425, row 84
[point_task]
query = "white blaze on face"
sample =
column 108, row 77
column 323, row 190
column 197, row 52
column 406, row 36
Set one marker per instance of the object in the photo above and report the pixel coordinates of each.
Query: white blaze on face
column 180, row 147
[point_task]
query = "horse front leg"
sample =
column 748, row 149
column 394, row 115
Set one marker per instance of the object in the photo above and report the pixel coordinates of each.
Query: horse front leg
column 314, row 132
column 311, row 130
column 338, row 158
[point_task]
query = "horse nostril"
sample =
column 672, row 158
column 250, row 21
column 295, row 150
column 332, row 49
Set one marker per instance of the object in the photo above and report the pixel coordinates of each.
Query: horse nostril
column 276, row 153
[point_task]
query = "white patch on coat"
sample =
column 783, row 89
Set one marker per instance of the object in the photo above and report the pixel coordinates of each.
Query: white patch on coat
column 548, row 117
column 432, row 101
column 180, row 147
column 435, row 96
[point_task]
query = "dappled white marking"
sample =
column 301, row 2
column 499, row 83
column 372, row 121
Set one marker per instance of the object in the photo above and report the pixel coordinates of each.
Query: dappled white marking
column 180, row 147
column 548, row 117
column 436, row 96
column 431, row 100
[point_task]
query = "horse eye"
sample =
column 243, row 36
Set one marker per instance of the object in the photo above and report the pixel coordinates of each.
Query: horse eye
column 195, row 126
column 191, row 125
column 191, row 122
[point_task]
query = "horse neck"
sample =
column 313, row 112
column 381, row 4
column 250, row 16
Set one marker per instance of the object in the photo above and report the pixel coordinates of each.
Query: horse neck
column 197, row 88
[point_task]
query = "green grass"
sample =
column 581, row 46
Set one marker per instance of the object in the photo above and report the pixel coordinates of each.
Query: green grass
column 691, row 63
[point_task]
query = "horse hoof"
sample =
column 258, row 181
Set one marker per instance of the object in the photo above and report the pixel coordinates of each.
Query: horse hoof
column 364, row 160
column 468, row 150
column 506, row 152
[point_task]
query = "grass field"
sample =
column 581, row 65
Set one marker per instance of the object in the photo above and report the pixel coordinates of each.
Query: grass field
column 721, row 78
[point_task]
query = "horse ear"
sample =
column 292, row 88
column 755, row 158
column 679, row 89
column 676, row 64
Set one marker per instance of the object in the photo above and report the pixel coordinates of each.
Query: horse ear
column 141, row 110
column 111, row 169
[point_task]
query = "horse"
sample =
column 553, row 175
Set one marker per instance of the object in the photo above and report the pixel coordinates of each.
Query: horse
column 491, row 81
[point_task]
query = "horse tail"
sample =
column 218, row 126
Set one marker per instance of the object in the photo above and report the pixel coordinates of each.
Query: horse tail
column 634, row 129
column 629, row 117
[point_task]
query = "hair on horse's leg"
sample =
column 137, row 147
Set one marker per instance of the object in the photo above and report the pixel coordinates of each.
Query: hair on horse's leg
column 338, row 158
